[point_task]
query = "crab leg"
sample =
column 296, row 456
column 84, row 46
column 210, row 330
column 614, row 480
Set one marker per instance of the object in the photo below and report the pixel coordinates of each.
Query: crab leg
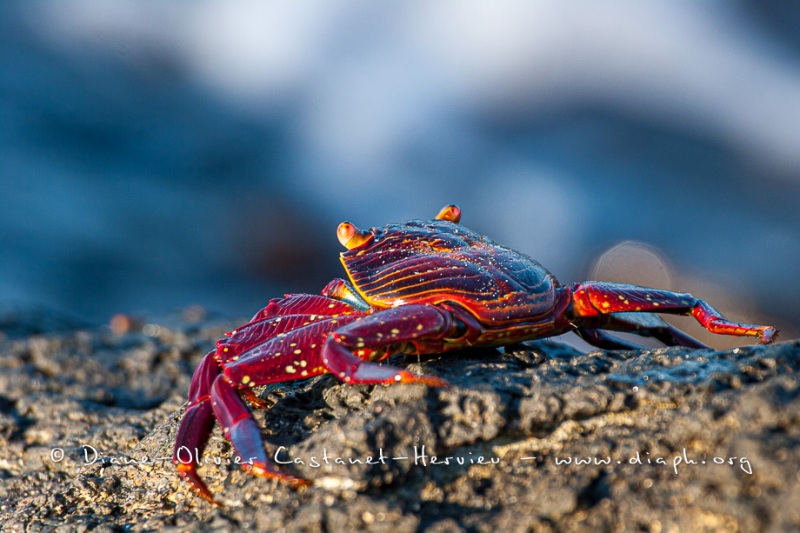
column 651, row 325
column 643, row 324
column 593, row 299
column 303, row 304
column 385, row 330
column 293, row 354
column 196, row 425
column 241, row 429
column 670, row 337
column 213, row 394
column 599, row 338
column 281, row 316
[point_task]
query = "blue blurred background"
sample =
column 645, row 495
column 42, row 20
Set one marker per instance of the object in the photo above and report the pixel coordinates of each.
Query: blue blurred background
column 159, row 156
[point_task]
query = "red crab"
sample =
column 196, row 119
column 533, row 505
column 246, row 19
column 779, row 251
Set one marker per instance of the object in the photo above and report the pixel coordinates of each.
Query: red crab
column 426, row 286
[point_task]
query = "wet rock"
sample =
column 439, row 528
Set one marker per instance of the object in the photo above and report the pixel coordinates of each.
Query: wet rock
column 540, row 438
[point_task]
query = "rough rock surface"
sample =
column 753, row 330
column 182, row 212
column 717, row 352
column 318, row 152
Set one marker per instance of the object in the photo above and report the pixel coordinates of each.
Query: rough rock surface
column 541, row 438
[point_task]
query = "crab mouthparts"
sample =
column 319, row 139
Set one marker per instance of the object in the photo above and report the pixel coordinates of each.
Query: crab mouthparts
column 350, row 236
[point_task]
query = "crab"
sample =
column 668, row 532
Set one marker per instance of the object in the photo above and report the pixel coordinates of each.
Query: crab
column 422, row 287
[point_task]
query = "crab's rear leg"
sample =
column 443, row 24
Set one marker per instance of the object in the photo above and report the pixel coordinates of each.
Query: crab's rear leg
column 600, row 339
column 297, row 318
column 241, row 429
column 293, row 354
column 642, row 324
column 196, row 425
column 599, row 299
column 384, row 330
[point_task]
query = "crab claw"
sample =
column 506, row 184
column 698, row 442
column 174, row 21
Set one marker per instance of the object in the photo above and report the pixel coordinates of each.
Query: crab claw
column 350, row 236
column 451, row 213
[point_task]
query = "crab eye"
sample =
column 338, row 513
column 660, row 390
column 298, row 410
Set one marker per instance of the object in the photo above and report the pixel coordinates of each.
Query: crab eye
column 350, row 236
column 451, row 213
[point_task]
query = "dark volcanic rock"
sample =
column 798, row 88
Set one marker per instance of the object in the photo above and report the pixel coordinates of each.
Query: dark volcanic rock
column 539, row 438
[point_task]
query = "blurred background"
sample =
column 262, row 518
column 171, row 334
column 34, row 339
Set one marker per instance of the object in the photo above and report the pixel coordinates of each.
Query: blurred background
column 154, row 157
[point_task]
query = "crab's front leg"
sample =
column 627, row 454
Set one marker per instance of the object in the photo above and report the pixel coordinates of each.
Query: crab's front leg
column 380, row 332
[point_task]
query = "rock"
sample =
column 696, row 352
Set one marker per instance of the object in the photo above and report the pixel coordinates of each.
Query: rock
column 540, row 438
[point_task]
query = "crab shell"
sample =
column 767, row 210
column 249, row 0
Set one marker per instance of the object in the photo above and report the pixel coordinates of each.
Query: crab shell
column 439, row 262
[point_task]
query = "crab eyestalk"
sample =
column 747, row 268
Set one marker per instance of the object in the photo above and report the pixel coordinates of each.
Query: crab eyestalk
column 451, row 213
column 350, row 236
